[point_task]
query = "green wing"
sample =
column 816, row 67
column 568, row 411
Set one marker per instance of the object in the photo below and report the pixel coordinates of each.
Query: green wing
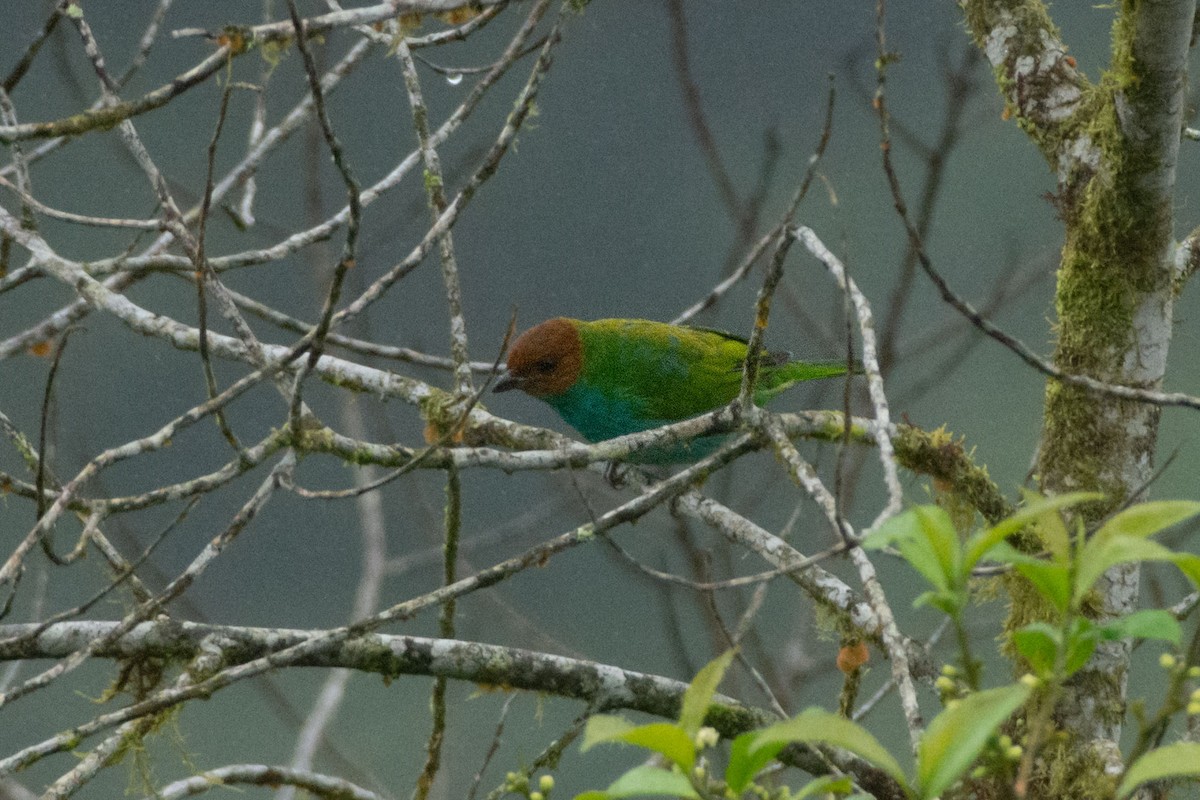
column 665, row 372
column 777, row 370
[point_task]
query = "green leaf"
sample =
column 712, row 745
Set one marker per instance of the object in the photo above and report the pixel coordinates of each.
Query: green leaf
column 942, row 540
column 956, row 736
column 1152, row 623
column 1052, row 532
column 816, row 726
column 925, row 536
column 648, row 781
column 981, row 543
column 700, row 691
column 1053, row 581
column 1189, row 565
column 740, row 770
column 603, row 728
column 948, row 601
column 1100, row 554
column 665, row 738
column 1081, row 643
column 1123, row 539
column 743, row 764
column 1039, row 643
column 1147, row 519
column 1178, row 760
column 746, row 760
column 825, row 785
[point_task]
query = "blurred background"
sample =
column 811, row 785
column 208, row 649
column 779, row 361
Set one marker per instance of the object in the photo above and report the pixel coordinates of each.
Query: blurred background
column 607, row 206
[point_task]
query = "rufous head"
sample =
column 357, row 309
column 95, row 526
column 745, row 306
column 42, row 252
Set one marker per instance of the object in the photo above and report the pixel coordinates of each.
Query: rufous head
column 545, row 360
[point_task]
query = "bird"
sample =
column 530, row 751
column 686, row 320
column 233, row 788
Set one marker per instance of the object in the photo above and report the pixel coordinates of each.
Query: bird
column 611, row 377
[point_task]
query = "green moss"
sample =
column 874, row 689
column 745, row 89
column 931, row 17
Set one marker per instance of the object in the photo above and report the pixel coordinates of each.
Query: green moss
column 982, row 16
column 1029, row 22
column 1026, row 604
column 1102, row 686
column 1071, row 772
column 942, row 456
column 1111, row 260
column 312, row 439
column 442, row 411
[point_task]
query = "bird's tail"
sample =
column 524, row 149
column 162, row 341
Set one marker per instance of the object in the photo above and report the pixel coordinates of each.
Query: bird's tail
column 776, row 379
column 797, row 371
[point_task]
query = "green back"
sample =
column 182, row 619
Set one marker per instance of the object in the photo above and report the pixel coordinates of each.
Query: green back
column 671, row 372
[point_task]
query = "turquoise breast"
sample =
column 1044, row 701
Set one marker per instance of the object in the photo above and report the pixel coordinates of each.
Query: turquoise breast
column 600, row 415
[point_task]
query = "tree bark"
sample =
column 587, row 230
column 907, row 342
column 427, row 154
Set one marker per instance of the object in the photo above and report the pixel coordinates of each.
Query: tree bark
column 1113, row 145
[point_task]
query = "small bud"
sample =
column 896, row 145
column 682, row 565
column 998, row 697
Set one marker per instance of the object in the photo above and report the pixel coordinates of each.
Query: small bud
column 1014, row 752
column 1195, row 696
column 949, row 670
column 1005, row 741
column 706, row 737
column 952, row 703
column 1167, row 661
column 1030, row 681
column 1194, row 672
column 1193, row 708
column 699, row 772
column 546, row 783
column 536, row 796
column 979, row 772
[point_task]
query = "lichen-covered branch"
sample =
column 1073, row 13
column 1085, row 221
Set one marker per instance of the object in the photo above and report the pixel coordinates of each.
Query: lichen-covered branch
column 603, row 687
column 1113, row 146
column 1041, row 86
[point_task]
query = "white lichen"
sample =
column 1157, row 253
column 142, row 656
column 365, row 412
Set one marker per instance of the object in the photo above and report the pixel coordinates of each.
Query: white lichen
column 996, row 44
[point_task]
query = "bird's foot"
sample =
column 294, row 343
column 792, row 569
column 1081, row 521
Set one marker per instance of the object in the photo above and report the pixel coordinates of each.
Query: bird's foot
column 614, row 473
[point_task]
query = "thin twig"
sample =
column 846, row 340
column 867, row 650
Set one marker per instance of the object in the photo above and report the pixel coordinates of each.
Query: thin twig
column 866, row 327
column 354, row 203
column 436, row 190
column 536, row 556
column 204, row 273
column 760, row 247
column 804, row 475
column 176, row 587
column 493, row 748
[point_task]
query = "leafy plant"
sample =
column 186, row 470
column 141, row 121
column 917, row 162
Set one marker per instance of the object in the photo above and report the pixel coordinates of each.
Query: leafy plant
column 967, row 732
column 954, row 740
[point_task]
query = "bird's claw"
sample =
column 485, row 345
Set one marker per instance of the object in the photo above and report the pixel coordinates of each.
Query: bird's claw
column 614, row 473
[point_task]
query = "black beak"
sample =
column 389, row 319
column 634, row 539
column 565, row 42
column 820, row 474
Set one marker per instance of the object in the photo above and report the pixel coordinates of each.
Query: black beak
column 508, row 382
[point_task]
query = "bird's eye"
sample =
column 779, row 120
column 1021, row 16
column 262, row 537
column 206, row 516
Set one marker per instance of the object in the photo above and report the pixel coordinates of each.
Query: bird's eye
column 545, row 366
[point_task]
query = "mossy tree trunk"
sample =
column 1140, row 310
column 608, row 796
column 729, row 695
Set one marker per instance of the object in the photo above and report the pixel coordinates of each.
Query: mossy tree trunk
column 1113, row 146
